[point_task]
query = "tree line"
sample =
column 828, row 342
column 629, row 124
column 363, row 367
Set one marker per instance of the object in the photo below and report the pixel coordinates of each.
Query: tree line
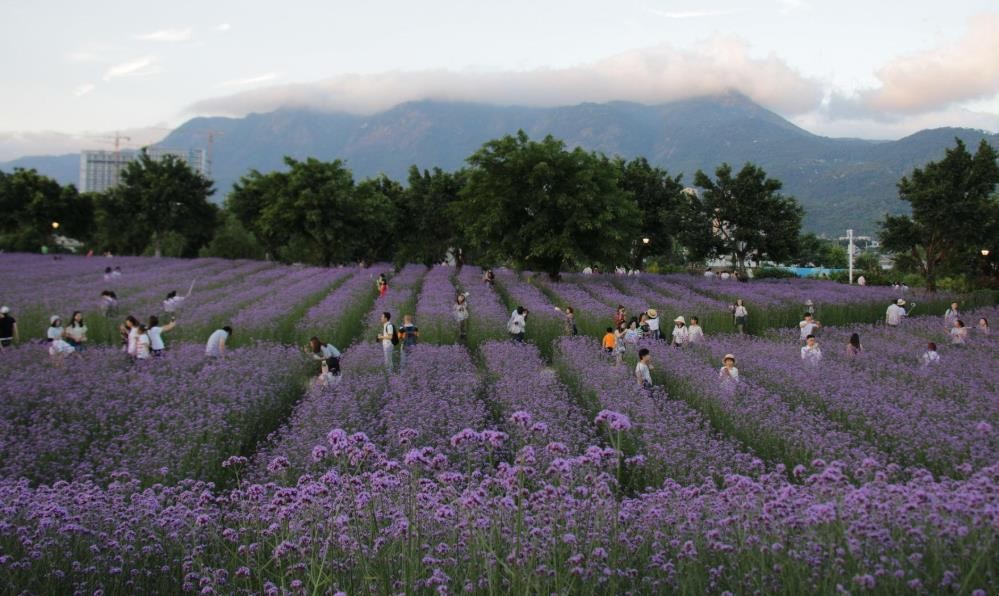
column 532, row 204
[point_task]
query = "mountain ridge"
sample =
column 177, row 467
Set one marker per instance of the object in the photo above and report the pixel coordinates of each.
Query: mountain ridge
column 841, row 182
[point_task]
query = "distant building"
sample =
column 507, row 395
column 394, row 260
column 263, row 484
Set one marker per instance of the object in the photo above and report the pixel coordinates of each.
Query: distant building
column 101, row 169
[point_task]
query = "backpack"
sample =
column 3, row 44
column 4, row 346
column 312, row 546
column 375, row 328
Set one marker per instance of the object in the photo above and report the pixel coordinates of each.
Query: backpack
column 395, row 336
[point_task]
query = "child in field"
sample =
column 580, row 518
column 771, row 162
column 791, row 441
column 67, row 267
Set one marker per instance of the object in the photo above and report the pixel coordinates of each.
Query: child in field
column 643, row 370
column 811, row 354
column 129, row 331
column 741, row 315
column 408, row 335
column 958, row 333
column 853, row 347
column 218, row 342
column 728, row 373
column 808, row 326
column 55, row 330
column 695, row 334
column 951, row 315
column 155, row 333
column 653, row 321
column 460, row 309
column 570, row 322
column 609, row 341
column 930, row 356
column 143, row 349
column 680, row 333
column 632, row 333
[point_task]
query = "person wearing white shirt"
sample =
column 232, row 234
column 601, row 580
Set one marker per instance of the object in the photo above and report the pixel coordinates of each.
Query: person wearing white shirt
column 155, row 333
column 724, row 275
column 653, row 320
column 861, row 281
column 811, row 354
column 55, row 330
column 328, row 356
column 930, row 356
column 218, row 342
column 951, row 315
column 142, row 344
column 741, row 315
column 388, row 339
column 695, row 334
column 76, row 331
column 643, row 369
column 895, row 312
column 728, row 373
column 680, row 333
column 808, row 326
column 958, row 333
column 517, row 325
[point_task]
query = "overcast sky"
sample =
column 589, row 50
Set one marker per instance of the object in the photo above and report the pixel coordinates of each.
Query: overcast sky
column 875, row 69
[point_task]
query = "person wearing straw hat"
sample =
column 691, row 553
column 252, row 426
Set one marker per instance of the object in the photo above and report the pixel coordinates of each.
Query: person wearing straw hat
column 680, row 333
column 895, row 312
column 8, row 328
column 728, row 373
column 653, row 323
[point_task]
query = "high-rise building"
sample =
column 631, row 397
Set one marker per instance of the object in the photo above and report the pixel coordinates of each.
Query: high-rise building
column 101, row 169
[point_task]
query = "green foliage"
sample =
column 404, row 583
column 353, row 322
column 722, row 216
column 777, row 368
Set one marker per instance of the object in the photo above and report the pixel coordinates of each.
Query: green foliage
column 659, row 198
column 820, row 252
column 773, row 273
column 232, row 241
column 748, row 214
column 545, row 207
column 32, row 202
column 954, row 212
column 315, row 213
column 424, row 230
column 157, row 198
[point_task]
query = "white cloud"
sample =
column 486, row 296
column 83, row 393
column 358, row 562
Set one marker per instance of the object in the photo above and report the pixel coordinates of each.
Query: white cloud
column 651, row 75
column 83, row 89
column 167, row 35
column 139, row 67
column 223, row 27
column 20, row 143
column 865, row 127
column 690, row 14
column 264, row 78
column 932, row 80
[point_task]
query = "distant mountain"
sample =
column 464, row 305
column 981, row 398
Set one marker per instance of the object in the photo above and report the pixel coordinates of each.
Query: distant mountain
column 65, row 169
column 841, row 182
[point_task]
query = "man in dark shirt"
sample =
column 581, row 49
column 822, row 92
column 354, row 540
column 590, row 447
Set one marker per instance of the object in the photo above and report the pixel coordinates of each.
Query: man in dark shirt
column 8, row 328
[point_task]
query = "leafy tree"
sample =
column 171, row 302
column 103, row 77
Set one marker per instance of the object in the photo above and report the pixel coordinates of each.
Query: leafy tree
column 232, row 241
column 166, row 195
column 545, row 207
column 315, row 211
column 749, row 215
column 425, row 230
column 952, row 204
column 32, row 202
column 820, row 252
column 659, row 198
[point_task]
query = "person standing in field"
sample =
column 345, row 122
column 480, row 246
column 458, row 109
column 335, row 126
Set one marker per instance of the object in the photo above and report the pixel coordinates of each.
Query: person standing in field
column 155, row 333
column 958, row 333
column 983, row 326
column 109, row 303
column 680, row 335
column 570, row 321
column 409, row 334
column 853, row 347
column 695, row 334
column 811, row 354
column 951, row 315
column 620, row 316
column 460, row 309
column 632, row 334
column 218, row 342
column 143, row 350
column 76, row 332
column 382, row 285
column 517, row 325
column 127, row 332
column 610, row 341
column 653, row 323
column 728, row 373
column 388, row 338
column 741, row 316
column 8, row 328
column 895, row 312
column 643, row 370
column 808, row 326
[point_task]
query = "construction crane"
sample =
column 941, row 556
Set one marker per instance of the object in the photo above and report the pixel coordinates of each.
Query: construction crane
column 209, row 152
column 116, row 139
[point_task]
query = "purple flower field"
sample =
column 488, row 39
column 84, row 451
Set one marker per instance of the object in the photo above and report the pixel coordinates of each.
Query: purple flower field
column 486, row 465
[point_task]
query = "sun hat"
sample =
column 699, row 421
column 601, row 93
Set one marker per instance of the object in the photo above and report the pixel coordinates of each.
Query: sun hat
column 53, row 319
column 808, row 302
column 680, row 320
column 652, row 313
column 4, row 310
column 900, row 302
column 729, row 356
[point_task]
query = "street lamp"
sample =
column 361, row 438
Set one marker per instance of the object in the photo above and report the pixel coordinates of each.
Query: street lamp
column 645, row 241
column 55, row 225
column 985, row 252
